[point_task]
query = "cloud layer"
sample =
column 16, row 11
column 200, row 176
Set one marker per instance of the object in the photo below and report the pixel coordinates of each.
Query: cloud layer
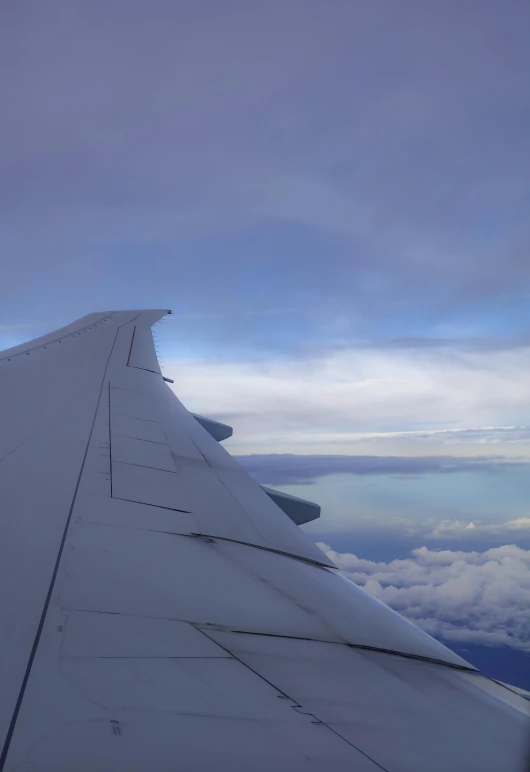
column 355, row 162
column 367, row 395
column 458, row 530
column 474, row 597
column 290, row 469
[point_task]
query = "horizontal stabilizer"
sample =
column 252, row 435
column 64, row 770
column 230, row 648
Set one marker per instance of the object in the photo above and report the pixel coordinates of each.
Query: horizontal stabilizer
column 216, row 429
column 298, row 510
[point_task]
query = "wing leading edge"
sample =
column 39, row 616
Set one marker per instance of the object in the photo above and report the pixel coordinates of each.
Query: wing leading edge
column 160, row 609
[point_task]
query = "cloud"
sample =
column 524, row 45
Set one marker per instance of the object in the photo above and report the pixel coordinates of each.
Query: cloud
column 485, row 435
column 461, row 530
column 367, row 395
column 478, row 597
column 290, row 469
column 239, row 154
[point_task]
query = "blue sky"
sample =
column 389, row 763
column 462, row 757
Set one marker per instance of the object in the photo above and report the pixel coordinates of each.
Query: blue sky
column 333, row 199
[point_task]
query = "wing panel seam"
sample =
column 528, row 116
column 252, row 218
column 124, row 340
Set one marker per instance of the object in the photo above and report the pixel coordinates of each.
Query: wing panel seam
column 286, row 554
column 296, row 705
column 356, row 646
column 131, row 346
column 157, row 506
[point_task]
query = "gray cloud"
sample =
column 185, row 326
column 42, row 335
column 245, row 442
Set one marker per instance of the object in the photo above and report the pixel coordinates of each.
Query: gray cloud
column 314, row 153
column 476, row 597
column 292, row 469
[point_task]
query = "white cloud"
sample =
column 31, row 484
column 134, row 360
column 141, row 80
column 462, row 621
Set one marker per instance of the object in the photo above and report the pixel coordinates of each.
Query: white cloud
column 457, row 529
column 478, row 597
column 366, row 396
column 483, row 435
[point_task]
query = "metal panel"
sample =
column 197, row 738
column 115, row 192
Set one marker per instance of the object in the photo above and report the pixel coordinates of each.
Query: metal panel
column 148, row 486
column 352, row 614
column 89, row 634
column 129, row 514
column 142, row 354
column 125, row 571
column 277, row 531
column 216, row 510
column 215, row 687
column 156, row 741
column 126, row 450
column 139, row 428
column 50, row 390
column 144, row 714
column 134, row 404
column 34, row 516
column 406, row 715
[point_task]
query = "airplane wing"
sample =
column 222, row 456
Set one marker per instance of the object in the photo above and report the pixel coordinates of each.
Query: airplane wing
column 159, row 611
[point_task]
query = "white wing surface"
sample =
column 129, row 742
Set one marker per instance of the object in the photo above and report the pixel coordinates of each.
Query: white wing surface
column 160, row 612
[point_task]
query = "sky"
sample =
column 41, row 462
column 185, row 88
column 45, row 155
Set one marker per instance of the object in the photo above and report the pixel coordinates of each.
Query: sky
column 333, row 198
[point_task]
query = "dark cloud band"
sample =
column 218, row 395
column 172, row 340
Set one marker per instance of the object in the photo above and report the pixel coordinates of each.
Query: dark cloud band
column 292, row 469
